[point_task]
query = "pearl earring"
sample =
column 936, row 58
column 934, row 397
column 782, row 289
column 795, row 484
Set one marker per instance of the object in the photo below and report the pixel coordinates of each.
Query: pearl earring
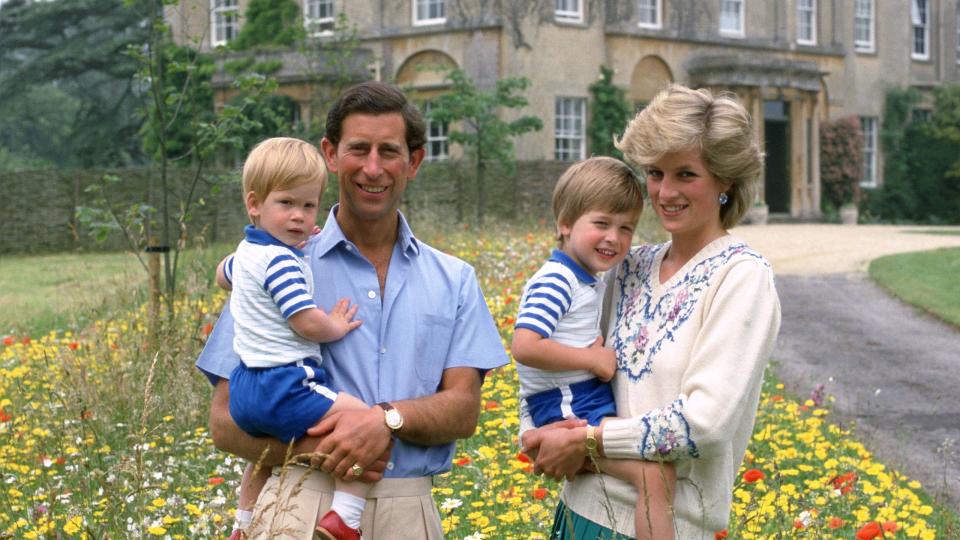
column 724, row 199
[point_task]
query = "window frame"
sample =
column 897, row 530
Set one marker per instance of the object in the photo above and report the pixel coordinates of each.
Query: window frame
column 443, row 140
column 741, row 13
column 915, row 17
column 568, row 15
column 869, row 132
column 564, row 128
column 870, row 44
column 429, row 20
column 658, row 8
column 957, row 28
column 320, row 22
column 801, row 9
column 216, row 11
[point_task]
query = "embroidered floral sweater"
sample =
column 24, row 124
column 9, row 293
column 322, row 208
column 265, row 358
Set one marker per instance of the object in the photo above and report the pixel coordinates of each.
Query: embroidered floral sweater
column 691, row 353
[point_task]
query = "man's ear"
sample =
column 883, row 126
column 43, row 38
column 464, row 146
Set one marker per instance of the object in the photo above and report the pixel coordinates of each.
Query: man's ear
column 329, row 152
column 416, row 159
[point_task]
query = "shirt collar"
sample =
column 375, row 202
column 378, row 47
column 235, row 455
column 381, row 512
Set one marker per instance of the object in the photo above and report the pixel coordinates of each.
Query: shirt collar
column 579, row 271
column 263, row 238
column 332, row 235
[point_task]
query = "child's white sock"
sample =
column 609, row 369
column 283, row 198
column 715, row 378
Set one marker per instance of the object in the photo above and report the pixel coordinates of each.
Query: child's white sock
column 348, row 507
column 242, row 519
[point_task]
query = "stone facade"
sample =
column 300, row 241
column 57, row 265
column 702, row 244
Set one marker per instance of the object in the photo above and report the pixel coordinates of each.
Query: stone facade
column 795, row 63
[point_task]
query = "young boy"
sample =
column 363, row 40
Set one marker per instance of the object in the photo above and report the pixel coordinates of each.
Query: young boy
column 279, row 389
column 564, row 368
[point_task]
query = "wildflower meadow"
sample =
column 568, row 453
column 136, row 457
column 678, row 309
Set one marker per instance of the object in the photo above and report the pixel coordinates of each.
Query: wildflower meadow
column 103, row 435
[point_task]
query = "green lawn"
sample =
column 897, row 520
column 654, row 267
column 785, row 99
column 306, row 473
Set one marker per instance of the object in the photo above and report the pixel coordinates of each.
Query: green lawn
column 929, row 280
column 39, row 293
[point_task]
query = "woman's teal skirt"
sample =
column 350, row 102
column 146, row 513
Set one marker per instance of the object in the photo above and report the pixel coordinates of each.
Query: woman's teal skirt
column 568, row 525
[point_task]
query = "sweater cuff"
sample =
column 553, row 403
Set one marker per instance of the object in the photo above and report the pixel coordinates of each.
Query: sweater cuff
column 620, row 439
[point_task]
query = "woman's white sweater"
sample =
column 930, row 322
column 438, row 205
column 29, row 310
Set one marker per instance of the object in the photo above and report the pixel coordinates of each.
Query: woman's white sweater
column 691, row 353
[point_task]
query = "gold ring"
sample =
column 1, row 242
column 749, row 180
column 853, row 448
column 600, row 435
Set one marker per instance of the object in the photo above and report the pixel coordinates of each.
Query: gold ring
column 356, row 470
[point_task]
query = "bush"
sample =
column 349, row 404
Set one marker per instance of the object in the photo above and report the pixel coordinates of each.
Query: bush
column 841, row 161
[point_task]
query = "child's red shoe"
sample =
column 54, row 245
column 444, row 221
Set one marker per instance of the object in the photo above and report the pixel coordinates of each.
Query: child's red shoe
column 332, row 527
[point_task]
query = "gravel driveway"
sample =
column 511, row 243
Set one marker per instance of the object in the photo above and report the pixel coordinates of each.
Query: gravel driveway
column 895, row 372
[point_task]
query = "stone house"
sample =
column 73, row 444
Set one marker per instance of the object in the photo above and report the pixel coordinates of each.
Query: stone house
column 794, row 63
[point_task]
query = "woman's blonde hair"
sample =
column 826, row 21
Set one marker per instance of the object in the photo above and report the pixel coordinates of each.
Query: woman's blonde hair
column 282, row 163
column 598, row 183
column 719, row 128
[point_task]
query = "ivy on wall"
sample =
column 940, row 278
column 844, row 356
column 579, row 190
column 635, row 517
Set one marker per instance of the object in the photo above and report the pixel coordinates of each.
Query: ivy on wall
column 841, row 161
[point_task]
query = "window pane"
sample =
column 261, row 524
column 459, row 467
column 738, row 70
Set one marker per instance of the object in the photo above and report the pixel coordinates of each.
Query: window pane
column 731, row 20
column 569, row 118
column 868, row 128
column 647, row 10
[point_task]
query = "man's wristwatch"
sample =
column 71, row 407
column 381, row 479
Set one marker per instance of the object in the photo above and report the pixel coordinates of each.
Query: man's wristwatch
column 391, row 416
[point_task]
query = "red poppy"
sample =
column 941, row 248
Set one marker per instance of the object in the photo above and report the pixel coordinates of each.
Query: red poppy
column 844, row 482
column 9, row 340
column 207, row 328
column 73, row 345
column 720, row 535
column 797, row 524
column 835, row 523
column 4, row 416
column 523, row 457
column 25, row 341
column 539, row 493
column 465, row 460
column 776, row 398
column 890, row 526
column 752, row 475
column 215, row 480
column 491, row 405
column 870, row 531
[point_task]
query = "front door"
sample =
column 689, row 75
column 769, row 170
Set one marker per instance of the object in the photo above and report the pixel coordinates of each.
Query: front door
column 776, row 174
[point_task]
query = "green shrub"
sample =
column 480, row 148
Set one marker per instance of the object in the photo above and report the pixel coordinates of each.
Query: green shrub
column 841, row 161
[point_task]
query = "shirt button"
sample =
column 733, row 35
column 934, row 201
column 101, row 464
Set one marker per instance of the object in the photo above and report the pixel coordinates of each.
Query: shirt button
column 349, row 247
column 371, row 294
column 389, row 465
column 383, row 350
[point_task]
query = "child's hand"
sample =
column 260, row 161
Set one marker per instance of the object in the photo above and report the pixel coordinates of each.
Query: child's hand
column 341, row 318
column 603, row 360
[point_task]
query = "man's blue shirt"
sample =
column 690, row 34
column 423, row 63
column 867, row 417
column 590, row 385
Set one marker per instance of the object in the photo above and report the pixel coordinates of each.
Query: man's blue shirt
column 432, row 317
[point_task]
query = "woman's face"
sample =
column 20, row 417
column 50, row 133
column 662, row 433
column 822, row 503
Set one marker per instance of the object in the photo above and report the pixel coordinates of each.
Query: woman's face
column 685, row 196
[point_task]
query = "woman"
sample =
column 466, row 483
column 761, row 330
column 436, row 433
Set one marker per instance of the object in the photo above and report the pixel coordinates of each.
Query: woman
column 694, row 322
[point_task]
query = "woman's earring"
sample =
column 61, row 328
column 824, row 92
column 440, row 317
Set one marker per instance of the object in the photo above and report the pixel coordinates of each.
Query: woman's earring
column 724, row 199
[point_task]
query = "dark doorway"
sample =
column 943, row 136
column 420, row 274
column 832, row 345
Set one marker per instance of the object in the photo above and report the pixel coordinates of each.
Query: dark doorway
column 776, row 128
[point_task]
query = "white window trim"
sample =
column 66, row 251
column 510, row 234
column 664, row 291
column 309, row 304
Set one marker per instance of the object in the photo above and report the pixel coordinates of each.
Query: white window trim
column 569, row 16
column 740, row 31
column 914, row 19
column 866, row 46
column 870, row 182
column 427, row 22
column 445, row 138
column 813, row 25
column 214, row 10
column 308, row 22
column 659, row 22
column 582, row 150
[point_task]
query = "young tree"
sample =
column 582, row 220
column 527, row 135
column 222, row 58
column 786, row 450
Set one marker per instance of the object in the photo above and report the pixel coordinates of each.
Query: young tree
column 483, row 132
column 610, row 114
column 270, row 22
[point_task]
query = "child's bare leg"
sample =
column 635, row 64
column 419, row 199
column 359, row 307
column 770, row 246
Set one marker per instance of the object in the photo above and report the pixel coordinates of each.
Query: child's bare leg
column 250, row 487
column 655, row 483
column 349, row 498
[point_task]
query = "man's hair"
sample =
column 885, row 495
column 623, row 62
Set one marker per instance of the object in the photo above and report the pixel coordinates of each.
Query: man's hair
column 282, row 163
column 718, row 128
column 373, row 97
column 596, row 184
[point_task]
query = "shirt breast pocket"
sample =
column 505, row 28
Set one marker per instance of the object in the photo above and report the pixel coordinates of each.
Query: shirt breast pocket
column 434, row 335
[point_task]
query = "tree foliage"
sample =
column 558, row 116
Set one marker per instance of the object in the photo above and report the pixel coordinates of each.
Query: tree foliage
column 482, row 131
column 270, row 22
column 841, row 161
column 610, row 114
column 75, row 48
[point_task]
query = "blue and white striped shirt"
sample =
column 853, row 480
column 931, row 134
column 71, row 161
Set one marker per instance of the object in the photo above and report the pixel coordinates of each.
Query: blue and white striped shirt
column 270, row 284
column 560, row 302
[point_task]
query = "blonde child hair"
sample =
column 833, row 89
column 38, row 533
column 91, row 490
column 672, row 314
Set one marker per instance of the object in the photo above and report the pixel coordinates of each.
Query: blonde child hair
column 282, row 163
column 598, row 183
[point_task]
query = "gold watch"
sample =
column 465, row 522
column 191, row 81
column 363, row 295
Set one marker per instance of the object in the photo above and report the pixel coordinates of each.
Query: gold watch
column 592, row 442
column 391, row 416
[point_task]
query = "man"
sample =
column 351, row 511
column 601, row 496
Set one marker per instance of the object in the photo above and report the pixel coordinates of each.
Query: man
column 426, row 340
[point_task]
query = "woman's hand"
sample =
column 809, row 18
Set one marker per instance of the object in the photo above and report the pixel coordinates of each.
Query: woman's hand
column 558, row 449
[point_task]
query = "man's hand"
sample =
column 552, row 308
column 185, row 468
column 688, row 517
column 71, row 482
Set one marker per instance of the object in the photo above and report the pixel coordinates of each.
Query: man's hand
column 558, row 449
column 354, row 437
column 603, row 360
column 313, row 232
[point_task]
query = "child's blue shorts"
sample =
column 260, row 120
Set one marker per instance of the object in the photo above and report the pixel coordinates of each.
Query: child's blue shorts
column 280, row 402
column 590, row 400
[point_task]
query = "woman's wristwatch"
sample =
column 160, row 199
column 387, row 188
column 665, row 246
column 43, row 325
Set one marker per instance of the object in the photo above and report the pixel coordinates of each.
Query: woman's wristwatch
column 591, row 442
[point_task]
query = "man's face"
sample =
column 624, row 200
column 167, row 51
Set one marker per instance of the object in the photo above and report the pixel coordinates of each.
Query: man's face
column 372, row 164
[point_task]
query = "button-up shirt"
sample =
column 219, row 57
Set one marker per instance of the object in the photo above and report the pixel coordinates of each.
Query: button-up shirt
column 432, row 316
